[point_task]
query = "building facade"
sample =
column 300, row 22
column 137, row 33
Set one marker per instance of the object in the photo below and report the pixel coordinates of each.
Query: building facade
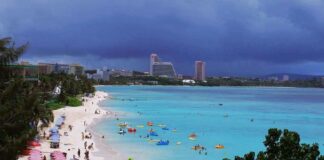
column 120, row 72
column 76, row 69
column 200, row 71
column 25, row 71
column 46, row 68
column 285, row 77
column 161, row 69
column 153, row 59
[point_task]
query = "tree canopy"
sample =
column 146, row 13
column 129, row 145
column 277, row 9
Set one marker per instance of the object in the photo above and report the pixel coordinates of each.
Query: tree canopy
column 284, row 145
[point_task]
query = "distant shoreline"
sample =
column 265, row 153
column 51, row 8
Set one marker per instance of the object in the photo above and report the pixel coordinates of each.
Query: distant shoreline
column 211, row 86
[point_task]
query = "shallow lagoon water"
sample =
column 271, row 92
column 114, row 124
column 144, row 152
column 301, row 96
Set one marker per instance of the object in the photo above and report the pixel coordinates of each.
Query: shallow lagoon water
column 240, row 124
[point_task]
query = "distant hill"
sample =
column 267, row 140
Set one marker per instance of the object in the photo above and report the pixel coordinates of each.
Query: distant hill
column 292, row 76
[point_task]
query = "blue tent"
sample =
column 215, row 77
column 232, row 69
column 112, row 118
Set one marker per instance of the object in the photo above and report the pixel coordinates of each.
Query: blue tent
column 54, row 130
column 55, row 137
column 59, row 121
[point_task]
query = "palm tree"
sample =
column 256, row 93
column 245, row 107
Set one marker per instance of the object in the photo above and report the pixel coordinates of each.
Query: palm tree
column 21, row 105
column 8, row 55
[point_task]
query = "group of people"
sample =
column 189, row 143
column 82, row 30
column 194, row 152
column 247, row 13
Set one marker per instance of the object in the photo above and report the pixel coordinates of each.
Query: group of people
column 87, row 148
column 85, row 135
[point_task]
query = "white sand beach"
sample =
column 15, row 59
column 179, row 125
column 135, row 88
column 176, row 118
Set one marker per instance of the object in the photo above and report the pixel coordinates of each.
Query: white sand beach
column 79, row 118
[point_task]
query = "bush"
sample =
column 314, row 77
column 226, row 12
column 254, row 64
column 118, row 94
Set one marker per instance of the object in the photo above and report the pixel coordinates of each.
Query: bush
column 53, row 105
column 73, row 101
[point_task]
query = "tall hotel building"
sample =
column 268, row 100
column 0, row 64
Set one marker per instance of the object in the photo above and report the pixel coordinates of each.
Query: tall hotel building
column 161, row 69
column 200, row 70
column 153, row 59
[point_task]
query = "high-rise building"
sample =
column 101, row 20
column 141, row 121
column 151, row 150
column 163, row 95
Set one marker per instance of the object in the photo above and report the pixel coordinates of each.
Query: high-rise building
column 285, row 77
column 153, row 59
column 164, row 69
column 161, row 69
column 200, row 70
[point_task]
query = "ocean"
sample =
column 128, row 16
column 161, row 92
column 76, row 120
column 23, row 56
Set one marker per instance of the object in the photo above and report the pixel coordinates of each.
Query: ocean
column 236, row 117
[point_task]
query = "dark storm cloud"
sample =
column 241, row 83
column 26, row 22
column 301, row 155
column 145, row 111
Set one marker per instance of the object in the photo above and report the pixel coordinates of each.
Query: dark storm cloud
column 242, row 33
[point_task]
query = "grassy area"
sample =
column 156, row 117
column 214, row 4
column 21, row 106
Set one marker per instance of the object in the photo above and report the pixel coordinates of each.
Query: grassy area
column 71, row 101
column 55, row 105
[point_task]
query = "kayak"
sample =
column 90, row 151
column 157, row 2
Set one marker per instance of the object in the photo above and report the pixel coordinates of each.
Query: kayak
column 123, row 125
column 131, row 129
column 140, row 126
column 161, row 142
column 153, row 134
column 161, row 125
column 192, row 138
column 165, row 128
column 219, row 146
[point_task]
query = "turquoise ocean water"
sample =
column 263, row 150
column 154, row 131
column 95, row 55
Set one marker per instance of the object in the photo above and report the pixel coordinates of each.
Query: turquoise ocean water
column 240, row 124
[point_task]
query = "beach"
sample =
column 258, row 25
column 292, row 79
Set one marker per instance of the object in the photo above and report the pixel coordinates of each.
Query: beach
column 79, row 118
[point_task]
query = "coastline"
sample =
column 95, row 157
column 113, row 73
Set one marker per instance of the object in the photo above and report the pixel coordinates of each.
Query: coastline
column 81, row 119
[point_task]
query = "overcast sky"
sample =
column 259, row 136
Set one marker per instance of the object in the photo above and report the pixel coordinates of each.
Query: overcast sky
column 234, row 37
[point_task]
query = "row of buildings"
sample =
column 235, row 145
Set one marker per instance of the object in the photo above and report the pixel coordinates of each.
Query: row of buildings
column 29, row 71
column 165, row 69
column 104, row 74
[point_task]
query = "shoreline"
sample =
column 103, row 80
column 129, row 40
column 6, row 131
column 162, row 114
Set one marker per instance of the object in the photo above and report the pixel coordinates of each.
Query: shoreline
column 82, row 120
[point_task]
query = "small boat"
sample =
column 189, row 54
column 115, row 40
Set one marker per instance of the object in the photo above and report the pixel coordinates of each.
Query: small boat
column 192, row 136
column 219, row 146
column 153, row 140
column 174, row 130
column 131, row 129
column 150, row 123
column 123, row 125
column 165, row 128
column 161, row 125
column 140, row 126
column 121, row 131
column 178, row 143
column 161, row 142
column 197, row 147
column 153, row 134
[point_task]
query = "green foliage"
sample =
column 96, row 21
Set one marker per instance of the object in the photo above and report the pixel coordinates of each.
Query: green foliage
column 53, row 105
column 8, row 54
column 21, row 111
column 284, row 146
column 27, row 106
column 73, row 101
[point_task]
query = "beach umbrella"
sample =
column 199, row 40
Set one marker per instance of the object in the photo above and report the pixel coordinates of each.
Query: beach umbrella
column 59, row 122
column 26, row 151
column 33, row 143
column 58, row 155
column 54, row 130
column 55, row 137
column 35, row 155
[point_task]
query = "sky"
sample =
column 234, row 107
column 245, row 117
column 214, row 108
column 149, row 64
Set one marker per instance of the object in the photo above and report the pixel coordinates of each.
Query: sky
column 233, row 37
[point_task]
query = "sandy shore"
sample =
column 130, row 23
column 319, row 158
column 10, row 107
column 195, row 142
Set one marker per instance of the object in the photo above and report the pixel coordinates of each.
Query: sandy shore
column 80, row 118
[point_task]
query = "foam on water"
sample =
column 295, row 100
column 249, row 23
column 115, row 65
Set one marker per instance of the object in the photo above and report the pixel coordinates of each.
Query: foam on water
column 240, row 124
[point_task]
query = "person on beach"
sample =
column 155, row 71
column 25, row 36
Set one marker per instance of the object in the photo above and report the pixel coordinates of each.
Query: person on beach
column 82, row 136
column 44, row 158
column 85, row 145
column 70, row 127
column 79, row 152
column 86, row 154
